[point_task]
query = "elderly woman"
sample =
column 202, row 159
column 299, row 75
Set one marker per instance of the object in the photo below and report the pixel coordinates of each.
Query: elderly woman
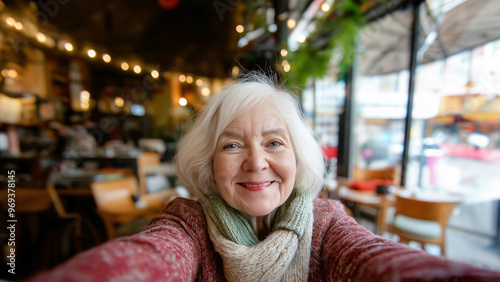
column 256, row 170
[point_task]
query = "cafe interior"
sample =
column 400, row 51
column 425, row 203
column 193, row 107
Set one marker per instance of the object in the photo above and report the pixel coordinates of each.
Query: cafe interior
column 402, row 95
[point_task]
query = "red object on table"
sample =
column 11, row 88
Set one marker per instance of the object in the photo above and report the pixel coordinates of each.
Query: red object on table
column 369, row 185
column 329, row 152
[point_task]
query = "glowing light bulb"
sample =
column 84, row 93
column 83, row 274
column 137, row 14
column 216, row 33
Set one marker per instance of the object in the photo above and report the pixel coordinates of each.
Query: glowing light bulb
column 182, row 78
column 106, row 58
column 205, row 91
column 91, row 53
column 124, row 66
column 240, row 28
column 41, row 37
column 18, row 25
column 155, row 74
column 290, row 23
column 137, row 69
column 119, row 102
column 10, row 21
column 183, row 102
column 284, row 52
column 68, row 46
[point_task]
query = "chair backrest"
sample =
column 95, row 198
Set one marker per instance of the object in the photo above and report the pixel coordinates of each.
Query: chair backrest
column 56, row 200
column 114, row 191
column 28, row 200
column 145, row 159
column 389, row 173
column 439, row 211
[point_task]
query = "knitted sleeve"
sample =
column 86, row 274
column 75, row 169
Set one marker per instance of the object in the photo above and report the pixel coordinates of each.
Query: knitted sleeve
column 351, row 252
column 168, row 250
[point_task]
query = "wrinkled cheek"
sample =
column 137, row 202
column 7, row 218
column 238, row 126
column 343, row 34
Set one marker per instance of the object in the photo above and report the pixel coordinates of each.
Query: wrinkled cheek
column 222, row 177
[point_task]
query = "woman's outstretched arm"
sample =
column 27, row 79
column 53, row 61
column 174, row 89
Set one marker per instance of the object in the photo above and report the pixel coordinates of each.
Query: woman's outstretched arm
column 351, row 252
column 169, row 249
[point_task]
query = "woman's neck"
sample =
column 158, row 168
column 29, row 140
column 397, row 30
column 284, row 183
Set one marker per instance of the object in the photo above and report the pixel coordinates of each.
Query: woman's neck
column 261, row 225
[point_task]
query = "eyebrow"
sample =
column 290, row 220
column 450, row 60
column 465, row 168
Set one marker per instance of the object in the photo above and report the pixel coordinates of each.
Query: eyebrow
column 280, row 131
column 231, row 134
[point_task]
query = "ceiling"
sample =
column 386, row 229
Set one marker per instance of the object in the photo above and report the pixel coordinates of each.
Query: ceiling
column 199, row 37
column 191, row 37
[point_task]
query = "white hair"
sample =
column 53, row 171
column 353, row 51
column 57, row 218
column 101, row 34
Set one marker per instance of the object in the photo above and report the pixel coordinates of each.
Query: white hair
column 196, row 149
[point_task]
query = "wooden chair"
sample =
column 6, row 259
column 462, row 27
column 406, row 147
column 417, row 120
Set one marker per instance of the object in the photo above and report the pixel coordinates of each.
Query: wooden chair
column 147, row 158
column 149, row 162
column 389, row 173
column 30, row 202
column 61, row 210
column 116, row 205
column 422, row 221
column 379, row 211
column 40, row 234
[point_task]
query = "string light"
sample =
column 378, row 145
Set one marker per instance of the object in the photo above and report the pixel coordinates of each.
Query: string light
column 106, row 58
column 183, row 102
column 18, row 25
column 91, row 53
column 155, row 74
column 290, row 23
column 284, row 52
column 182, row 78
column 125, row 66
column 68, row 46
column 205, row 91
column 64, row 45
column 10, row 21
column 137, row 69
column 41, row 37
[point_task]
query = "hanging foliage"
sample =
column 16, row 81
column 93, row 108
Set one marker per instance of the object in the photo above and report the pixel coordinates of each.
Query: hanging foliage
column 335, row 32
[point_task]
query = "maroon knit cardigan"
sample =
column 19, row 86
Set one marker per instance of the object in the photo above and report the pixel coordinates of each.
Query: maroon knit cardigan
column 176, row 247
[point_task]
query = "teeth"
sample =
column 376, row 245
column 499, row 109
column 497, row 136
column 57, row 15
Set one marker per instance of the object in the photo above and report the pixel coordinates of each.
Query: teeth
column 257, row 185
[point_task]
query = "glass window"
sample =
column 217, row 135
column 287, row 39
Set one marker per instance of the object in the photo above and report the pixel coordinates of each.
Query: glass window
column 381, row 92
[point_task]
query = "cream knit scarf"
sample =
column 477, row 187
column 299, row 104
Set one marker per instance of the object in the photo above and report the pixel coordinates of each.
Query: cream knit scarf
column 282, row 256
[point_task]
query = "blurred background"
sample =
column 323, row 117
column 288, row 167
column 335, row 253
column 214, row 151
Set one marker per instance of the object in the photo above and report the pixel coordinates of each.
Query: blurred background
column 88, row 87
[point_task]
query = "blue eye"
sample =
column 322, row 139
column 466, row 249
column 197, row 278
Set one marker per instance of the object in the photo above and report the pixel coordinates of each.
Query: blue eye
column 274, row 144
column 230, row 146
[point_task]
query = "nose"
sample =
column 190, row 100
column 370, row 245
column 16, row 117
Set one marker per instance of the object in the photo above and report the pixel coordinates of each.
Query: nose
column 255, row 160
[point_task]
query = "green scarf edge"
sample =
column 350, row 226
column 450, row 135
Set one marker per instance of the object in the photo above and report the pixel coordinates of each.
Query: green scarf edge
column 291, row 215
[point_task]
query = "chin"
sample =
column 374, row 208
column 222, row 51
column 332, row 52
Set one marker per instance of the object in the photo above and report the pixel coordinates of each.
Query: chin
column 260, row 211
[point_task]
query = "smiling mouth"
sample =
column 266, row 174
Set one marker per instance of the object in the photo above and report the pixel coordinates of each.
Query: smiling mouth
column 256, row 186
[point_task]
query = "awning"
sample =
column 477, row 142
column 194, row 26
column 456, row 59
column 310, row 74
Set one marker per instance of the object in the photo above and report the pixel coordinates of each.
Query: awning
column 387, row 41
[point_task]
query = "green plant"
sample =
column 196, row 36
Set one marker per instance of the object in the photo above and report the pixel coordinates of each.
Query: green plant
column 336, row 32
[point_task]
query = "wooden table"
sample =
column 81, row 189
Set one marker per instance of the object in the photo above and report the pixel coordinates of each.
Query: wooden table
column 355, row 198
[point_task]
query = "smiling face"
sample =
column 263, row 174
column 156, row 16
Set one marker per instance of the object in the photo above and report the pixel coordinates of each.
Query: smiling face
column 254, row 162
